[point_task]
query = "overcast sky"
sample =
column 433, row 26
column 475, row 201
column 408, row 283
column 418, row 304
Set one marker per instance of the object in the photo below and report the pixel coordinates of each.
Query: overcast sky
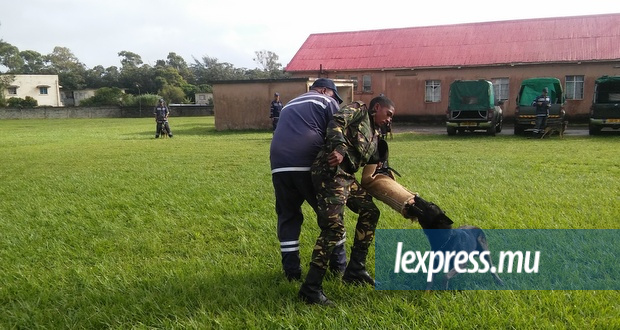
column 231, row 30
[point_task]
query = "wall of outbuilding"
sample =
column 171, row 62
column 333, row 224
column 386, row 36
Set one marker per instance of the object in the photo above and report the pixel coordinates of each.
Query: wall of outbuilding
column 245, row 104
column 406, row 87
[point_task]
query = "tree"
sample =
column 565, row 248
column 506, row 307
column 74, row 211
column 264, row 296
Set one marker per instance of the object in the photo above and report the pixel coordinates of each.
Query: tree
column 210, row 70
column 69, row 69
column 104, row 96
column 173, row 94
column 130, row 59
column 33, row 61
column 267, row 60
column 9, row 57
column 178, row 63
column 5, row 81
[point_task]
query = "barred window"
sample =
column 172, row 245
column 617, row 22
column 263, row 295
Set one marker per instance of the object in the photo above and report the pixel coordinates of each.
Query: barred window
column 433, row 91
column 574, row 87
column 501, row 89
column 367, row 83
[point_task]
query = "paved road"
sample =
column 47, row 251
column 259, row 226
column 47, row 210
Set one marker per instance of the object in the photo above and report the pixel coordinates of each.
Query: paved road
column 578, row 130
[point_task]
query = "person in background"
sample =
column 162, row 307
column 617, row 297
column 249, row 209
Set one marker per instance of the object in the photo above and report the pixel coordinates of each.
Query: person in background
column 162, row 112
column 276, row 107
column 296, row 142
column 542, row 104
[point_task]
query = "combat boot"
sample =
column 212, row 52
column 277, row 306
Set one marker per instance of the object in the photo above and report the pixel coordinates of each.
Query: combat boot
column 311, row 290
column 356, row 272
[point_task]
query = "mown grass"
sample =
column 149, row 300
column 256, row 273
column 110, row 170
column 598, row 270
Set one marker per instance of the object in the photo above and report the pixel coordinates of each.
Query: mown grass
column 102, row 226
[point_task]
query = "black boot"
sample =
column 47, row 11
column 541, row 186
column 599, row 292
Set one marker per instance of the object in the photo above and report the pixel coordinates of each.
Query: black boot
column 356, row 270
column 311, row 290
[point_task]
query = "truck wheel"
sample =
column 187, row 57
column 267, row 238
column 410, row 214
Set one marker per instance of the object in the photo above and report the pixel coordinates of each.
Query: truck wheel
column 492, row 130
column 519, row 129
column 593, row 130
column 451, row 131
column 499, row 126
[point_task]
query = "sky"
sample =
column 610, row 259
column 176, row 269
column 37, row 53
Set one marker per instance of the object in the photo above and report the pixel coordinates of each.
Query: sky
column 232, row 31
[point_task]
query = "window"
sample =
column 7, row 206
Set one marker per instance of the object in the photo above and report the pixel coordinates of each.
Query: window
column 367, row 83
column 354, row 82
column 43, row 90
column 574, row 87
column 12, row 90
column 501, row 89
column 433, row 91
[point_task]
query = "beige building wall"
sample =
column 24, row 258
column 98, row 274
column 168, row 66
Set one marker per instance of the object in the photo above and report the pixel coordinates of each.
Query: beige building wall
column 245, row 104
column 43, row 88
column 406, row 87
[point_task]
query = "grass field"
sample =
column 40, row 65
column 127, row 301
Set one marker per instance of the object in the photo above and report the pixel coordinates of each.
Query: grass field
column 103, row 226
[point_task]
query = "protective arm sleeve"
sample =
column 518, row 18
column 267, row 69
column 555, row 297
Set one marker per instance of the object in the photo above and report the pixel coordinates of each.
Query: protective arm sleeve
column 386, row 189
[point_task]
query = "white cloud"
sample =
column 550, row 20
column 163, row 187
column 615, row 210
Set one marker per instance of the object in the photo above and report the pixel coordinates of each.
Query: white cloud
column 231, row 31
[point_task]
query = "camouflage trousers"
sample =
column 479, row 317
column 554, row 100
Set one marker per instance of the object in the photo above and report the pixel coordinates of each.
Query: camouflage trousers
column 336, row 189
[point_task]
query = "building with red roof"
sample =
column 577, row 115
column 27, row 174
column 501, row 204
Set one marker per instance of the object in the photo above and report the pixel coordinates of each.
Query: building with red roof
column 415, row 66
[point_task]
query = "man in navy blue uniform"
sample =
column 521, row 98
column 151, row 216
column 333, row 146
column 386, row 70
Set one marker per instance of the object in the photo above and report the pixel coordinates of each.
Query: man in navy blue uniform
column 542, row 104
column 297, row 139
column 161, row 118
column 276, row 107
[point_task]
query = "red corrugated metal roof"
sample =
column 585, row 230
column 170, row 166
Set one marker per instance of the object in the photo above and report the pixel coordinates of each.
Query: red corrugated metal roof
column 563, row 39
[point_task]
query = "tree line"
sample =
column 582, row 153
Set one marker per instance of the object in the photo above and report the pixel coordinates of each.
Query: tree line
column 172, row 78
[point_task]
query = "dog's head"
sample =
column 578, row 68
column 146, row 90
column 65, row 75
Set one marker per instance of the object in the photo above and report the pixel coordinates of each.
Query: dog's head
column 429, row 215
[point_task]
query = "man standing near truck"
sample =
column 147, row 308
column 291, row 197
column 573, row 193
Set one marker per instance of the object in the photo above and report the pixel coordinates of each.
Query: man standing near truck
column 542, row 104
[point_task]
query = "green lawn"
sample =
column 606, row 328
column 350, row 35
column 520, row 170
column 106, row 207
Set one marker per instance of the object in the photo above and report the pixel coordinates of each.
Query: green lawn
column 103, row 226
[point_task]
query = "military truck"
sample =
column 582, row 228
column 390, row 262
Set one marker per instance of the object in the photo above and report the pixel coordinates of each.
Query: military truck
column 605, row 109
column 472, row 107
column 525, row 112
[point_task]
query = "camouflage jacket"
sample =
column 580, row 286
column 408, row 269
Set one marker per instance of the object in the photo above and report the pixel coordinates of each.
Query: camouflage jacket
column 353, row 135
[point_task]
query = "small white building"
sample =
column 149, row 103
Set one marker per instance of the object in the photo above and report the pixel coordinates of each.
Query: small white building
column 43, row 88
column 203, row 98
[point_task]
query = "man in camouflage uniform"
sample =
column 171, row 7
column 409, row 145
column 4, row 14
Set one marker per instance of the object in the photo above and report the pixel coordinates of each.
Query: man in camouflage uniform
column 351, row 141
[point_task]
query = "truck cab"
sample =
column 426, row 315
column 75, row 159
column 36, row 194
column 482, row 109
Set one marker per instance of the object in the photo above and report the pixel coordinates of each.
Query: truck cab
column 472, row 107
column 605, row 109
column 525, row 112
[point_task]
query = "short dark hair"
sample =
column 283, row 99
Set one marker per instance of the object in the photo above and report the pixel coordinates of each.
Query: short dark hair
column 382, row 100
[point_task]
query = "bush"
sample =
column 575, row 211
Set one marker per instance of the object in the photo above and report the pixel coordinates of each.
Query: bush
column 104, row 96
column 18, row 102
column 148, row 100
column 29, row 102
column 173, row 94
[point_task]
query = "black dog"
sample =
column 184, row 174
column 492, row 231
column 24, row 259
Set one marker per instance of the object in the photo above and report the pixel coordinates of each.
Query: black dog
column 438, row 229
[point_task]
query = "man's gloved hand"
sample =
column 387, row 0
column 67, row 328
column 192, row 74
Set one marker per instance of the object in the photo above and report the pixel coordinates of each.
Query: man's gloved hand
column 382, row 165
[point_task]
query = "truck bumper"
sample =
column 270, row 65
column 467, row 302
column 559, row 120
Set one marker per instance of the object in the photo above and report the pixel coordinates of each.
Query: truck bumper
column 470, row 124
column 613, row 123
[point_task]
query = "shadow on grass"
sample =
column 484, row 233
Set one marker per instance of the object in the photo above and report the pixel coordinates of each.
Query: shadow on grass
column 200, row 130
column 158, row 296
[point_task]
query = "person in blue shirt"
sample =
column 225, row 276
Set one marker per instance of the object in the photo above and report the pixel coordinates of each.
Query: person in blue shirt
column 276, row 107
column 542, row 104
column 161, row 113
column 297, row 139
